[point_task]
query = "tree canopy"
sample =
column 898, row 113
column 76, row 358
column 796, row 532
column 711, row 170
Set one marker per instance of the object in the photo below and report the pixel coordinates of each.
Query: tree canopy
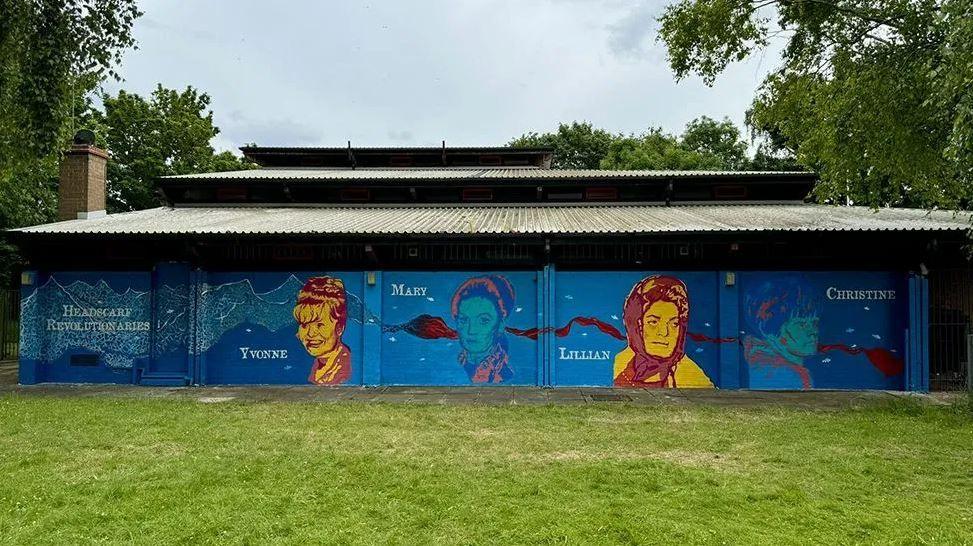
column 165, row 134
column 576, row 146
column 721, row 139
column 54, row 57
column 705, row 144
column 51, row 53
column 876, row 95
column 656, row 150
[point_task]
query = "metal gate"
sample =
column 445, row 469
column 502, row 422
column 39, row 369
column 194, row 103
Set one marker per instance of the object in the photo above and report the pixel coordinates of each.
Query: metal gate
column 9, row 324
column 950, row 328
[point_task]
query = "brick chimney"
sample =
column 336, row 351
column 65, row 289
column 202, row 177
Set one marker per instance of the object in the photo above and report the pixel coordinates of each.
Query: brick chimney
column 81, row 189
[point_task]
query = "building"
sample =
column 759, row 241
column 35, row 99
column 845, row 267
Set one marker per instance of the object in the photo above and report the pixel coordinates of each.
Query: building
column 459, row 266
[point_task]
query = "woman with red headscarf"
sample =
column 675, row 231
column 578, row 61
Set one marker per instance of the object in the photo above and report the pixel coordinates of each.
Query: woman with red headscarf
column 656, row 316
column 480, row 307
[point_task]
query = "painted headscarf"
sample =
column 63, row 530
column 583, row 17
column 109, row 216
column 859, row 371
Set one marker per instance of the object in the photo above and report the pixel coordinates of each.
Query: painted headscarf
column 643, row 295
column 494, row 288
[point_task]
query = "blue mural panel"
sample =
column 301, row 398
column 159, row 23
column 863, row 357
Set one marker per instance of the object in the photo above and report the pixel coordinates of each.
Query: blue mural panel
column 459, row 328
column 281, row 328
column 635, row 329
column 824, row 330
column 173, row 302
column 649, row 329
column 85, row 327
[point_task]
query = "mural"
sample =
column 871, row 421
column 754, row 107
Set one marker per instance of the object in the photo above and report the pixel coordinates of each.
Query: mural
column 322, row 313
column 82, row 326
column 656, row 316
column 640, row 329
column 635, row 329
column 823, row 330
column 281, row 328
column 173, row 302
column 480, row 306
column 477, row 344
column 784, row 331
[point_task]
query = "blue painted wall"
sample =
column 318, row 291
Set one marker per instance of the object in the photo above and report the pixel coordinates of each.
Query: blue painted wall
column 248, row 332
column 172, row 301
column 437, row 326
column 708, row 329
column 823, row 330
column 586, row 354
column 85, row 327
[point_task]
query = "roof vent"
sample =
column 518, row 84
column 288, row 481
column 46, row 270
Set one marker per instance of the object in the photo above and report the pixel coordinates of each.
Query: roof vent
column 727, row 193
column 356, row 194
column 601, row 194
column 477, row 194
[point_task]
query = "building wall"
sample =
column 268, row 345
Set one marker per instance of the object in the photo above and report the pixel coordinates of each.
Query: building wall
column 682, row 329
column 85, row 326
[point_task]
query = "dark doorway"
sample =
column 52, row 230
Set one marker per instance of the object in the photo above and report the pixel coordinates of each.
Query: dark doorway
column 950, row 328
column 9, row 324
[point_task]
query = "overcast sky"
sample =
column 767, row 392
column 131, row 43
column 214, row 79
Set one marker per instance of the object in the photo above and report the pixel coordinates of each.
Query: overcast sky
column 415, row 72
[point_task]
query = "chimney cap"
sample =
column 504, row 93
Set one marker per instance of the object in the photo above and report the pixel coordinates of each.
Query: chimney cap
column 84, row 137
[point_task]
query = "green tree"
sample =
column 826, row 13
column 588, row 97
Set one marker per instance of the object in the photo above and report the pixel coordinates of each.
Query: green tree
column 52, row 54
column 705, row 144
column 168, row 133
column 767, row 158
column 773, row 152
column 656, row 150
column 874, row 94
column 718, row 138
column 576, row 146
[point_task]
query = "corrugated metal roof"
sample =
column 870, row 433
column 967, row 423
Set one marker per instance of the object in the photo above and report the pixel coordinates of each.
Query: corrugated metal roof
column 507, row 220
column 468, row 173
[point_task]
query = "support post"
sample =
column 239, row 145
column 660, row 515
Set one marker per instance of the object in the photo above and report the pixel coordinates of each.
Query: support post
column 201, row 327
column 969, row 362
column 540, row 280
column 30, row 329
column 372, row 329
column 193, row 353
column 924, row 323
column 917, row 335
column 732, row 374
column 550, row 318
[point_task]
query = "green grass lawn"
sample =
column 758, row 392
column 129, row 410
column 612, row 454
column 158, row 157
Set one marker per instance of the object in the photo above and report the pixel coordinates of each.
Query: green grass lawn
column 161, row 471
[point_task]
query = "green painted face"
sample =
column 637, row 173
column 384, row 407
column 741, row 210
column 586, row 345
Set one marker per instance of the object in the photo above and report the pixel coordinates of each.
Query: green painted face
column 478, row 324
column 799, row 336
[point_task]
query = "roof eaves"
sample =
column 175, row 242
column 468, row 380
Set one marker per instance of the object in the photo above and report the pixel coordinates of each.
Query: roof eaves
column 516, row 174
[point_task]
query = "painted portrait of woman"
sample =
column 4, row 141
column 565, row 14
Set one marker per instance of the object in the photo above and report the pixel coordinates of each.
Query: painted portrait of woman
column 656, row 316
column 321, row 313
column 480, row 307
column 783, row 321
